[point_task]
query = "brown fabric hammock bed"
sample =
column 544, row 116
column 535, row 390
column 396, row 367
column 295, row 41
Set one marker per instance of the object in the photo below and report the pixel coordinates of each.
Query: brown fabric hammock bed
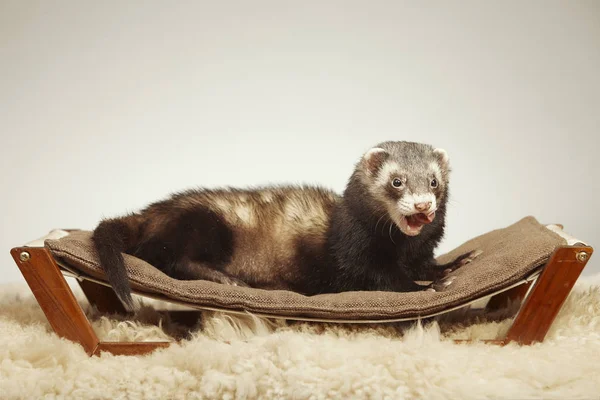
column 528, row 262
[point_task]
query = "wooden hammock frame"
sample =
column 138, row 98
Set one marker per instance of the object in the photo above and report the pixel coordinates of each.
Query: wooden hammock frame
column 540, row 300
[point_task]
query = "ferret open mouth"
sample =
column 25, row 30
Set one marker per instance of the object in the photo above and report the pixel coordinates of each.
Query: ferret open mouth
column 412, row 224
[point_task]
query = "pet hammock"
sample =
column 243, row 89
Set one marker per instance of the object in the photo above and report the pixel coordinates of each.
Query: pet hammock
column 534, row 264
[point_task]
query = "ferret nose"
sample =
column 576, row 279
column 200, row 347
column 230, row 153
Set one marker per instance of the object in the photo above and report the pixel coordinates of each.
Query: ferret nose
column 423, row 206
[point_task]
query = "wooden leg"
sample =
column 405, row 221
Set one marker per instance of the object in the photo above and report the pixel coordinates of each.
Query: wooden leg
column 54, row 296
column 548, row 294
column 501, row 300
column 102, row 297
column 58, row 303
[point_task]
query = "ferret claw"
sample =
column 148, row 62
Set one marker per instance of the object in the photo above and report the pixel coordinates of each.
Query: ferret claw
column 442, row 284
column 448, row 281
column 233, row 282
column 474, row 254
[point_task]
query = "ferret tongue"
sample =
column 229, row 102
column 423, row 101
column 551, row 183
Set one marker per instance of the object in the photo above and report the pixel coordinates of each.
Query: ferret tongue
column 420, row 219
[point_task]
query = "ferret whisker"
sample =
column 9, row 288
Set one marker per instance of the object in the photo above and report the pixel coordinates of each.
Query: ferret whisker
column 391, row 234
column 387, row 220
column 378, row 222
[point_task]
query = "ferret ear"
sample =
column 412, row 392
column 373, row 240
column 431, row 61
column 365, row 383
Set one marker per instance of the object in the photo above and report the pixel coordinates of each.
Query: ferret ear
column 374, row 159
column 443, row 159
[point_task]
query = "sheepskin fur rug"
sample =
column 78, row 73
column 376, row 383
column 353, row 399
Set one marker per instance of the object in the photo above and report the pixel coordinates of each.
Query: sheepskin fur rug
column 245, row 358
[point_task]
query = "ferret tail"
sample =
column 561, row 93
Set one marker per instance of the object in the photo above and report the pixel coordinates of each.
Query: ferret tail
column 112, row 237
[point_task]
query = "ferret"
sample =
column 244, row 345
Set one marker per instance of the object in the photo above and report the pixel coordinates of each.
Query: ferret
column 379, row 235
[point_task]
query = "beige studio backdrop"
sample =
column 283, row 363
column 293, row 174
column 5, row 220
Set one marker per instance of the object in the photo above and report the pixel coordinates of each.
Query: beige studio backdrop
column 107, row 106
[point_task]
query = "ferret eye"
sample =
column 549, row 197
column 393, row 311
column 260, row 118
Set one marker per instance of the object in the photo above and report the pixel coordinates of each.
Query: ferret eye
column 397, row 183
column 434, row 183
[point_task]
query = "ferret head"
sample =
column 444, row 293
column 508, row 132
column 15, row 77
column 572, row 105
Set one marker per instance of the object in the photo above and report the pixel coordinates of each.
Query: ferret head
column 408, row 180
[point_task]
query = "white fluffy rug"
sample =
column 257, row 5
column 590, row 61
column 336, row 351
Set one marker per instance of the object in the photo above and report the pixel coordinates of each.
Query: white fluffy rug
column 233, row 358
